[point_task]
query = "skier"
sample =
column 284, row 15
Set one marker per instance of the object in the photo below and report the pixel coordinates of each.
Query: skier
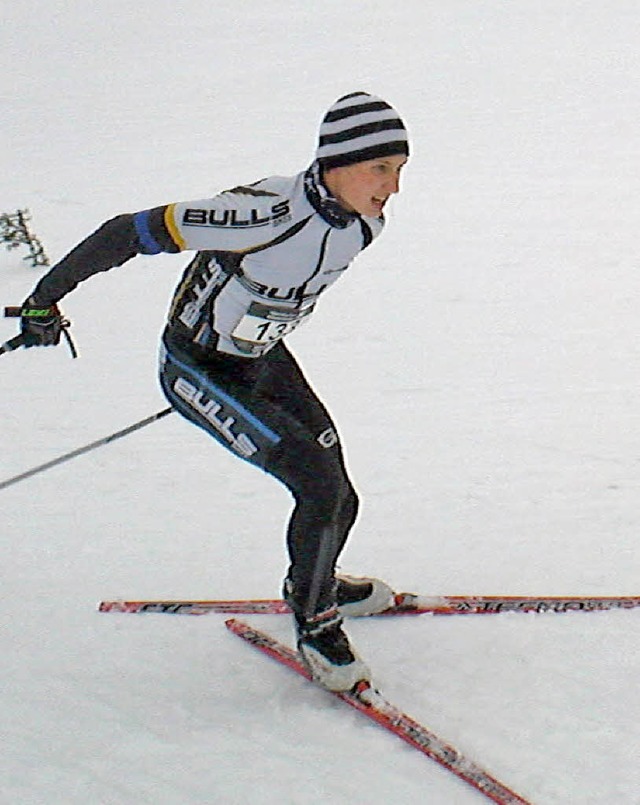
column 264, row 254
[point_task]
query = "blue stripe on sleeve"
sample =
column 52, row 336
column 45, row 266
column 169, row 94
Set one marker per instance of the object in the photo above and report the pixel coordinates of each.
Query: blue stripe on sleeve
column 148, row 243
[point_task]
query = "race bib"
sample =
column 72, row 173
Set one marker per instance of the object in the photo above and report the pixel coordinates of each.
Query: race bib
column 262, row 327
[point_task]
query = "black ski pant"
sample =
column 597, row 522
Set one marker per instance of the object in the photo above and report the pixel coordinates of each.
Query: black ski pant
column 265, row 411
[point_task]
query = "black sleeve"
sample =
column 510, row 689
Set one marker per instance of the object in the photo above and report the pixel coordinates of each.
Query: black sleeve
column 111, row 245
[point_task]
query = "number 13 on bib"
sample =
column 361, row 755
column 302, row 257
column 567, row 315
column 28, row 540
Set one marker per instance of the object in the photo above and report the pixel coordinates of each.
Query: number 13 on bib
column 262, row 326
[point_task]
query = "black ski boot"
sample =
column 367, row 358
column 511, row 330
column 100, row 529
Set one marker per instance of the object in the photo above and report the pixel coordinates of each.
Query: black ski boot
column 359, row 597
column 327, row 652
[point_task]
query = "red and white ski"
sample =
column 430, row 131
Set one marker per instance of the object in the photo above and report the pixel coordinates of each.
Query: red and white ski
column 373, row 705
column 405, row 604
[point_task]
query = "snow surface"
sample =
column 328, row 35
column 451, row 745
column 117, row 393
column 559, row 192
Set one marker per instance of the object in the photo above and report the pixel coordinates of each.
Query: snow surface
column 486, row 388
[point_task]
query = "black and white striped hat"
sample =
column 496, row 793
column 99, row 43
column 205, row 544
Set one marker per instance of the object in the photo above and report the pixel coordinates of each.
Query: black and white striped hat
column 359, row 127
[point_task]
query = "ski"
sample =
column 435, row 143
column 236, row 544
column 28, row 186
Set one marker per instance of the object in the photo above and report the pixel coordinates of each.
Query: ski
column 374, row 706
column 405, row 604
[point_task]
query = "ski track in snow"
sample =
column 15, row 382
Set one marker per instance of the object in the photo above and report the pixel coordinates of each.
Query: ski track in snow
column 493, row 430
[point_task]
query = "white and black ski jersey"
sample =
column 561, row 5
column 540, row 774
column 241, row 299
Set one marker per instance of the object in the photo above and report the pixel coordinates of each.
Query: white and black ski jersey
column 265, row 253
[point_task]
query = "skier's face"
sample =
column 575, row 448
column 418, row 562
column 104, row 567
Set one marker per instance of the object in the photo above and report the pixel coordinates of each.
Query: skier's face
column 365, row 187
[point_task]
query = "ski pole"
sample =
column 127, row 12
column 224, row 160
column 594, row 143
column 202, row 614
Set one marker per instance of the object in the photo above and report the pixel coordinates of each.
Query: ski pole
column 18, row 340
column 11, row 344
column 80, row 450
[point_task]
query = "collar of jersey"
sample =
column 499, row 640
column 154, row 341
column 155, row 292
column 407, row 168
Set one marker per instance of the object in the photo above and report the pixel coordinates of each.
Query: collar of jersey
column 323, row 202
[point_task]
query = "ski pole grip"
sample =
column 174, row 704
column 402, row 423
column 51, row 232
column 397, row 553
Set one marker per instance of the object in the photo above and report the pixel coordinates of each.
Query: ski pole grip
column 12, row 312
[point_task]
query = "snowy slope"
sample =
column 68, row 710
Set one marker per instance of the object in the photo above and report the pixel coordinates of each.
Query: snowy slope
column 486, row 389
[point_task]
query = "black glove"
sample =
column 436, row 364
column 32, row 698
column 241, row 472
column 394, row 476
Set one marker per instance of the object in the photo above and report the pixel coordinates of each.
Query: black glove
column 42, row 325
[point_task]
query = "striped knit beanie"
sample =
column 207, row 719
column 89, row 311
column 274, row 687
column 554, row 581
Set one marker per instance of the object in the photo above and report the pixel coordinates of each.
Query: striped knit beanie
column 359, row 127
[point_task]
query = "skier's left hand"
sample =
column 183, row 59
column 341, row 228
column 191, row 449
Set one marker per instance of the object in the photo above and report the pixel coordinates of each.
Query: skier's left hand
column 41, row 325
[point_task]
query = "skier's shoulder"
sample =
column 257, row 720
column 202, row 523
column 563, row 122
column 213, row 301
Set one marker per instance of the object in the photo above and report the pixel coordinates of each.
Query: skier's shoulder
column 270, row 186
column 271, row 190
column 247, row 205
column 239, row 218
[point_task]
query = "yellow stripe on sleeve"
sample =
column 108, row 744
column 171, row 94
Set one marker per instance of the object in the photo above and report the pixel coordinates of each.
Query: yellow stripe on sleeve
column 172, row 229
